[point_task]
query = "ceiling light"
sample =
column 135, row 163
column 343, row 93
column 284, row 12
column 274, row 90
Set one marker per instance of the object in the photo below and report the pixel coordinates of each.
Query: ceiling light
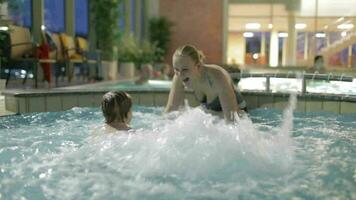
column 320, row 35
column 343, row 34
column 255, row 56
column 248, row 34
column 300, row 26
column 253, row 26
column 4, row 28
column 345, row 26
column 283, row 35
column 270, row 26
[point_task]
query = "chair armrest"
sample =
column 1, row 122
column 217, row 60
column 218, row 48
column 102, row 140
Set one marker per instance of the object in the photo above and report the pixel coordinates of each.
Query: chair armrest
column 23, row 43
column 66, row 50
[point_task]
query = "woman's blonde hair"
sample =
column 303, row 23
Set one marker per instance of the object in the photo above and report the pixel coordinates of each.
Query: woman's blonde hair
column 189, row 50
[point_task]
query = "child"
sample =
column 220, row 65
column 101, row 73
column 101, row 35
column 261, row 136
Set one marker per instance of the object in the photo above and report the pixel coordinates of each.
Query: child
column 116, row 108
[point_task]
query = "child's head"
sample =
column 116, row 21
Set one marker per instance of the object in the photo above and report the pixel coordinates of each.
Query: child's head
column 116, row 106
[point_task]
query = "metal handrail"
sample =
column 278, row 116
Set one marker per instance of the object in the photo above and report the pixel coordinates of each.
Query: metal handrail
column 302, row 76
column 314, row 76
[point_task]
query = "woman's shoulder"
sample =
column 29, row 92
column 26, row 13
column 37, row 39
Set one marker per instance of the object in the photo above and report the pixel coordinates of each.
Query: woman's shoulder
column 213, row 67
column 216, row 71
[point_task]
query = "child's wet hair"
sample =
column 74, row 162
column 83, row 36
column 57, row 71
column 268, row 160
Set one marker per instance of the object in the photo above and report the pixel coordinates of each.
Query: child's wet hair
column 116, row 105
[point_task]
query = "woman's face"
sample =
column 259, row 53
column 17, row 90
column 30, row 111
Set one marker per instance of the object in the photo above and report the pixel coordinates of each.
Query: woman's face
column 186, row 69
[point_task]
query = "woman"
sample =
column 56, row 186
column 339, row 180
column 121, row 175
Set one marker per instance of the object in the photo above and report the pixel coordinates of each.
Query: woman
column 211, row 84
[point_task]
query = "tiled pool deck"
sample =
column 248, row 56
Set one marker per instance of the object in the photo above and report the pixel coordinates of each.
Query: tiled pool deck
column 3, row 111
column 23, row 101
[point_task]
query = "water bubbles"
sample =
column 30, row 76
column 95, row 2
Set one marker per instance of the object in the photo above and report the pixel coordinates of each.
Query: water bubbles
column 43, row 175
column 188, row 154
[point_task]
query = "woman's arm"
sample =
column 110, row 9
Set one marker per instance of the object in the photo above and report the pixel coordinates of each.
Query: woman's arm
column 176, row 95
column 226, row 94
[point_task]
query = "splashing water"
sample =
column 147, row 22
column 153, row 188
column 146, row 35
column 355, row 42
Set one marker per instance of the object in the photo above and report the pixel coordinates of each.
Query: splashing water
column 188, row 154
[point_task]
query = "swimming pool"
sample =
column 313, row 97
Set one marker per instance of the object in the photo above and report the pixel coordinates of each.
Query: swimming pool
column 127, row 85
column 287, row 85
column 187, row 155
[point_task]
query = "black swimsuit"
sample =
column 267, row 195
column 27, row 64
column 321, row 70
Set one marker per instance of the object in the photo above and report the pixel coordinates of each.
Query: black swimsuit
column 215, row 105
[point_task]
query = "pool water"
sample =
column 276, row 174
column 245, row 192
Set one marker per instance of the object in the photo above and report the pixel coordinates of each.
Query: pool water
column 182, row 155
column 292, row 85
column 149, row 85
column 276, row 85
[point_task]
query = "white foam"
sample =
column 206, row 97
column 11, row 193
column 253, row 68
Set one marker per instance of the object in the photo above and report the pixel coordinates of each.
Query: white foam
column 189, row 150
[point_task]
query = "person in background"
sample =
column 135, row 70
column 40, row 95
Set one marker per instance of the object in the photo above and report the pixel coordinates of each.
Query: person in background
column 168, row 72
column 116, row 108
column 319, row 64
column 43, row 52
column 211, row 84
column 146, row 74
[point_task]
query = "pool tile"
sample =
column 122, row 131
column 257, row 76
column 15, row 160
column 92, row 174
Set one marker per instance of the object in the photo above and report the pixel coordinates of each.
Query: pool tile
column 85, row 100
column 69, row 102
column 300, row 105
column 147, row 99
column 11, row 104
column 23, row 105
column 36, row 104
column 161, row 99
column 265, row 101
column 96, row 100
column 53, row 104
column 313, row 106
column 347, row 108
column 135, row 98
column 280, row 103
column 252, row 101
column 331, row 106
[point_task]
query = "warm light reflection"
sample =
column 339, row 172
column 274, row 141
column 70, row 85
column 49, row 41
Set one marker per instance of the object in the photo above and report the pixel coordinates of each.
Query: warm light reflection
column 320, row 35
column 248, row 34
column 300, row 26
column 253, row 26
column 345, row 26
column 282, row 35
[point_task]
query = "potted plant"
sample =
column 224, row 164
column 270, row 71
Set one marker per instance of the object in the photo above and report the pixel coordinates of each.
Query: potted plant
column 160, row 34
column 128, row 54
column 103, row 17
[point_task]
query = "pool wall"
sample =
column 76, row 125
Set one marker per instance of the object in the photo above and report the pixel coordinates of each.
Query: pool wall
column 24, row 101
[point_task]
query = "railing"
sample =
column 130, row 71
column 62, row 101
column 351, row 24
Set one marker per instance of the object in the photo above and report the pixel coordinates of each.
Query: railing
column 302, row 76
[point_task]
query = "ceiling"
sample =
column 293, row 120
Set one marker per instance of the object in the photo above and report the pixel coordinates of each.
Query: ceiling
column 330, row 13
